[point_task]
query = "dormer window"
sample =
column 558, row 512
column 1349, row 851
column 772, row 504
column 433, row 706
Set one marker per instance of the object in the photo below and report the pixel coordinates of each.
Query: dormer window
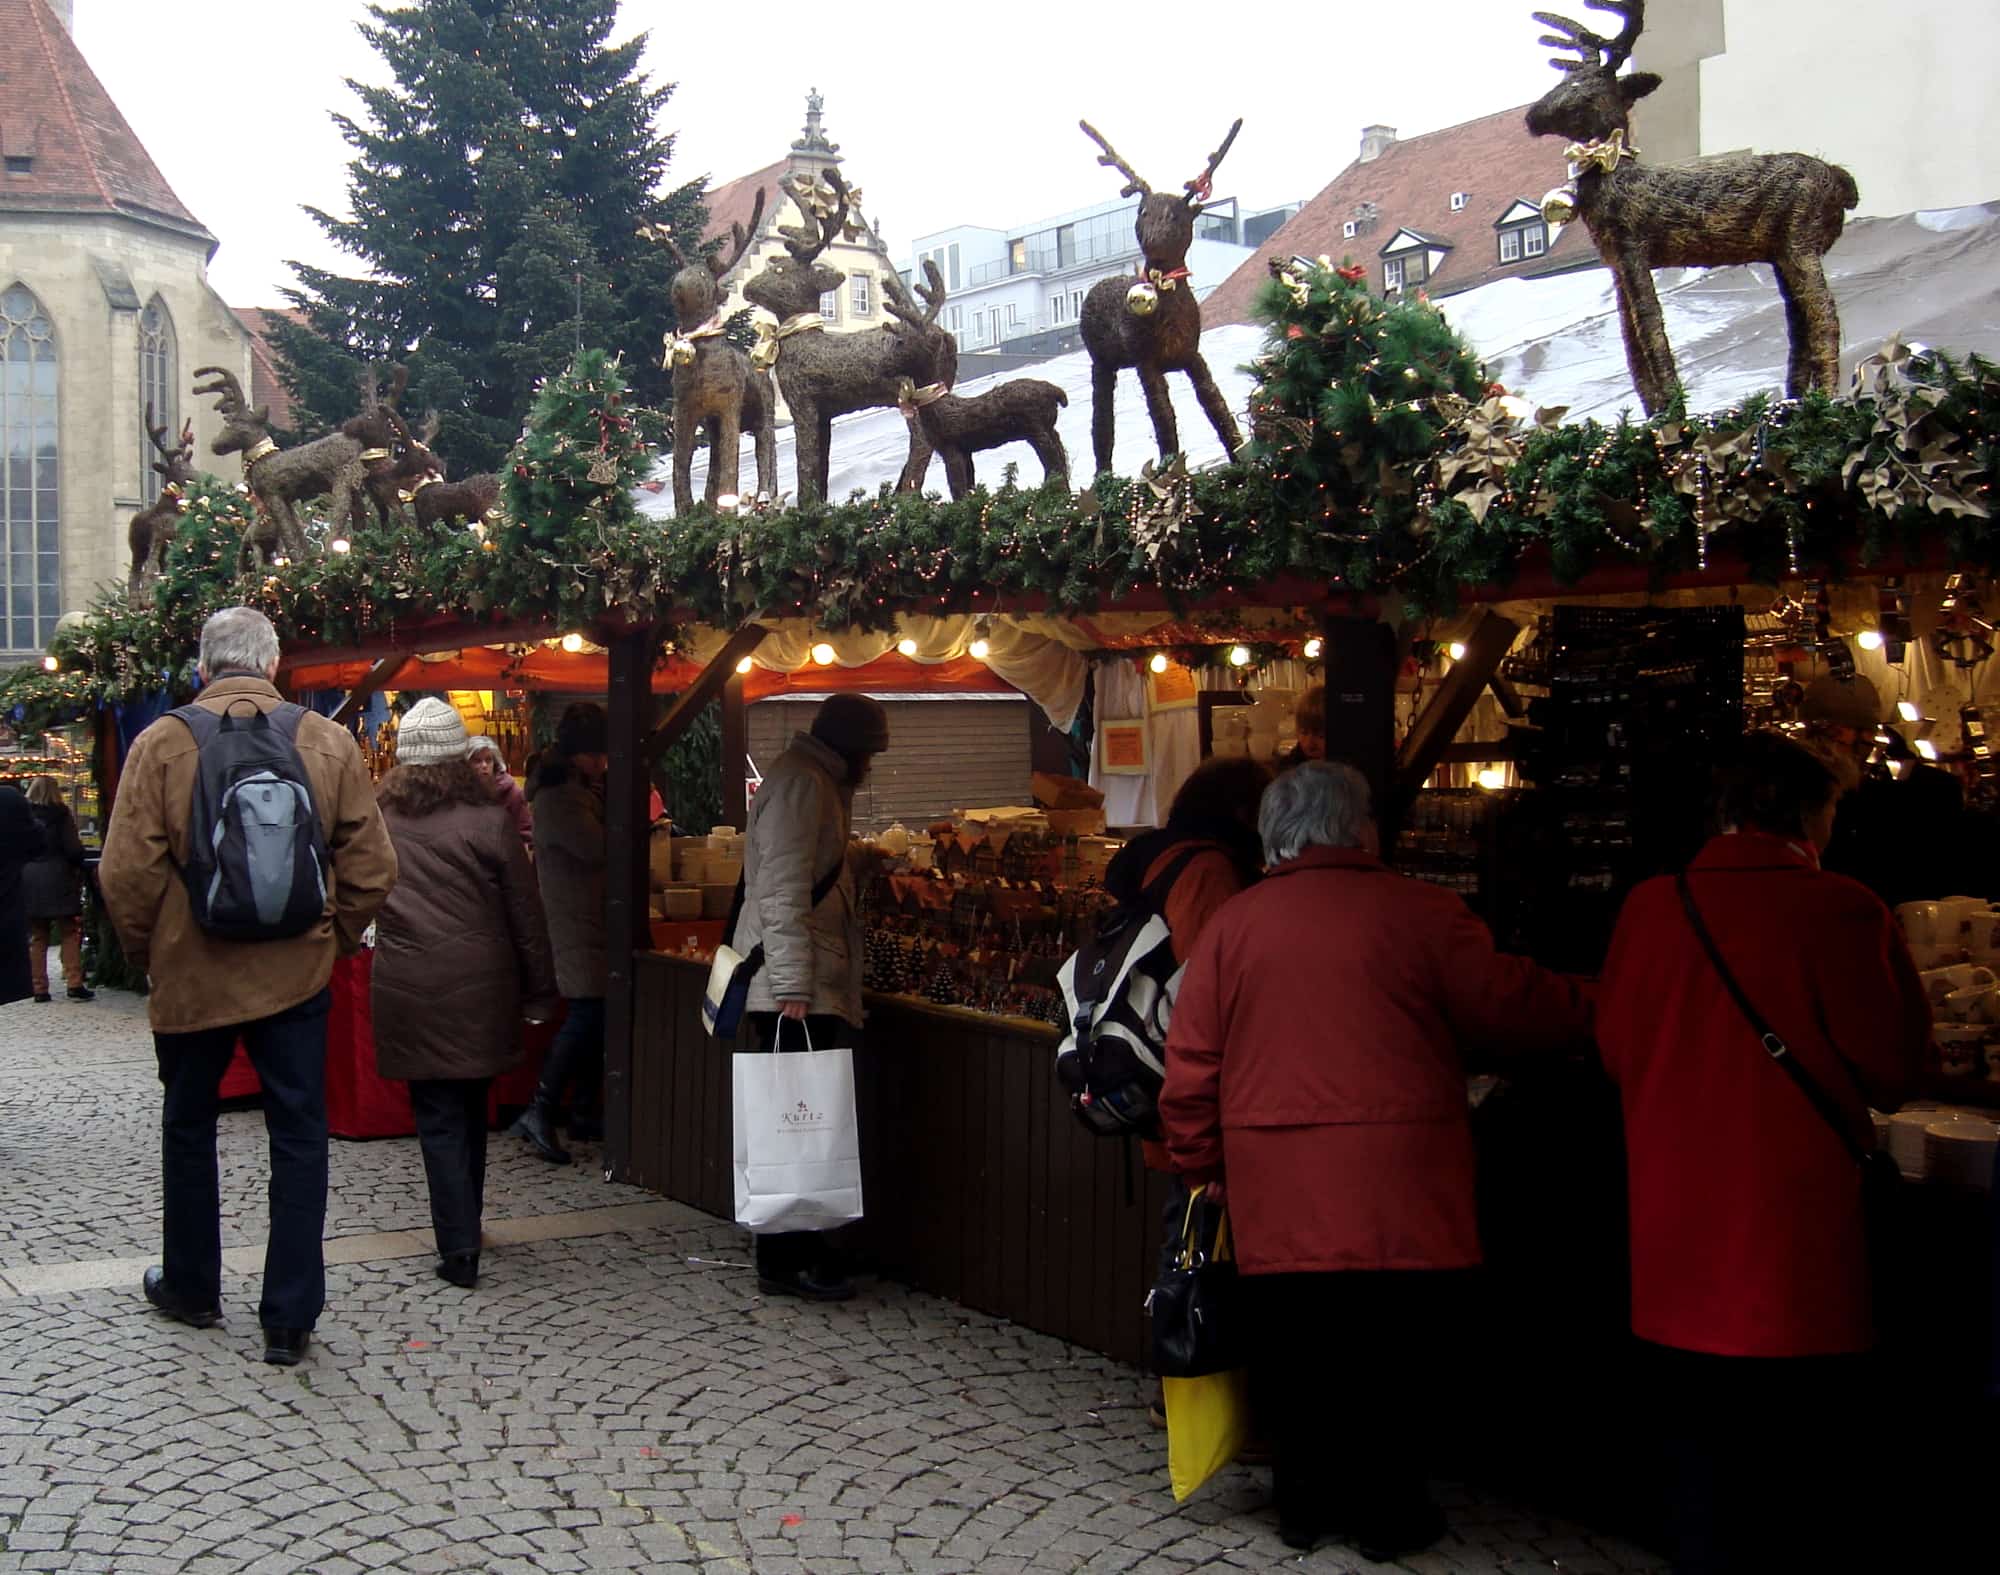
column 1349, row 230
column 1458, row 200
column 1411, row 258
column 1399, row 273
column 1522, row 233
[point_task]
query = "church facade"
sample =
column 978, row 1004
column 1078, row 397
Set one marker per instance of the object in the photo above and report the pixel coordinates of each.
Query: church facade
column 105, row 309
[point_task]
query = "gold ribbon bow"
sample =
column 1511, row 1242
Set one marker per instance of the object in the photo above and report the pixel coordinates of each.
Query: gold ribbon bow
column 418, row 486
column 911, row 398
column 261, row 449
column 764, row 354
column 681, row 349
column 370, row 455
column 1606, row 154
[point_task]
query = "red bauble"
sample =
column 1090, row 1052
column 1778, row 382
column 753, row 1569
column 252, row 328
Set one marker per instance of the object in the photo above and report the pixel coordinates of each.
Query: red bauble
column 1295, row 332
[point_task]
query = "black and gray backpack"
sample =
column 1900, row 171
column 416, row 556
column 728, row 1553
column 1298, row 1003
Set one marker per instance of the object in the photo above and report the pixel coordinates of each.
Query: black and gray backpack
column 1118, row 996
column 256, row 857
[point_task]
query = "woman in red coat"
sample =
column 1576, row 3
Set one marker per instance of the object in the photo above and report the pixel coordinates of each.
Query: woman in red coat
column 1316, row 1064
column 1749, row 1269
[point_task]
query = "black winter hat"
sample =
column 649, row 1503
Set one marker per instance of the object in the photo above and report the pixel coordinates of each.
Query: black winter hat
column 852, row 725
column 583, row 730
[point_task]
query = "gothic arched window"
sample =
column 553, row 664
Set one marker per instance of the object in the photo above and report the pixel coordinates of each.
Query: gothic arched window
column 31, row 567
column 157, row 387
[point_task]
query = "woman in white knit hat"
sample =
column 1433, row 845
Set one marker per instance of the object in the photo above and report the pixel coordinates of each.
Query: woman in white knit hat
column 461, row 956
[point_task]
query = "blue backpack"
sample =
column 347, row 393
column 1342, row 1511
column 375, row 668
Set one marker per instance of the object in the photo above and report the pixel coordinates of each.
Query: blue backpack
column 256, row 857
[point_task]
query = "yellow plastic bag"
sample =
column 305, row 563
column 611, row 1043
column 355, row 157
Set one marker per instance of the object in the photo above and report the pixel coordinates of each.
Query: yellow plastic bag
column 1208, row 1421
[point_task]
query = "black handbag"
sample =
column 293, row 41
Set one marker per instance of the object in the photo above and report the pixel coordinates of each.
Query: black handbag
column 1881, row 1180
column 1196, row 1304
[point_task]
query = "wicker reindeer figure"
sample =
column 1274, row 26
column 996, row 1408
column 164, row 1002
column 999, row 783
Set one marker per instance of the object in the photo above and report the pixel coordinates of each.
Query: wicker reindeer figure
column 1785, row 209
column 717, row 393
column 1023, row 411
column 1153, row 324
column 279, row 478
column 826, row 375
column 152, row 529
column 390, row 458
column 430, row 498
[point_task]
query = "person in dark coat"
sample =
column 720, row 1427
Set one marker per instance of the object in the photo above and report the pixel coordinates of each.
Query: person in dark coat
column 570, row 856
column 52, row 892
column 461, row 955
column 1749, row 1265
column 20, row 844
column 1316, row 1078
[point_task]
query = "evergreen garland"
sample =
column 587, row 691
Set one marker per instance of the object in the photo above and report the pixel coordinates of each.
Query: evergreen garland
column 1359, row 476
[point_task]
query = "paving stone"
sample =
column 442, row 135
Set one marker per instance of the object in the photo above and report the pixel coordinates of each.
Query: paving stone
column 598, row 1403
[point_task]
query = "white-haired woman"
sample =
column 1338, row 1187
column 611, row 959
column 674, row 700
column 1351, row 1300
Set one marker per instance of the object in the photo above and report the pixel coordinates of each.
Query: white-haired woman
column 1316, row 1072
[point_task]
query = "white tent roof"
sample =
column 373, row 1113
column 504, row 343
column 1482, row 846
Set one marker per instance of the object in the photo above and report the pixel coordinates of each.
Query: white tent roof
column 1933, row 277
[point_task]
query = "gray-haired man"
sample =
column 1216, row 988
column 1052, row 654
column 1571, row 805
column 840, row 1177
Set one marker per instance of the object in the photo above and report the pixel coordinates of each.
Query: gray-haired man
column 208, row 992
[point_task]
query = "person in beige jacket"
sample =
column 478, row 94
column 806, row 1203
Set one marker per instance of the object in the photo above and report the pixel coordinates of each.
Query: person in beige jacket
column 799, row 904
column 206, row 993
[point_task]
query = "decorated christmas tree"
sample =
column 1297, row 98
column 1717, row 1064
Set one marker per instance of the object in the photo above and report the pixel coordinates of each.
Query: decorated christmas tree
column 1353, row 395
column 575, row 467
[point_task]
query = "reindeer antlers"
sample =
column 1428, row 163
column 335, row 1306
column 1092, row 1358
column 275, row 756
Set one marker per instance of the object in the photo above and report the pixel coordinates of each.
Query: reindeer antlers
column 825, row 217
column 229, row 398
column 896, row 300
column 1202, row 187
column 1590, row 49
column 740, row 238
column 157, row 433
column 1134, row 182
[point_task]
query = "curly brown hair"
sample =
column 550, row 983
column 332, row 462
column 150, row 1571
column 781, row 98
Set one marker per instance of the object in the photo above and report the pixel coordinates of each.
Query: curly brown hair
column 416, row 791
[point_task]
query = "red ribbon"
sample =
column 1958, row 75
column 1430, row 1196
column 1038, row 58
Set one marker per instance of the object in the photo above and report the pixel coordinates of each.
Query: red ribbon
column 1166, row 276
column 1353, row 274
column 1202, row 189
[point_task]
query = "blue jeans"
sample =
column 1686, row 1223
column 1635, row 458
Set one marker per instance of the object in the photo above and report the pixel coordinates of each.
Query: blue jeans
column 288, row 1050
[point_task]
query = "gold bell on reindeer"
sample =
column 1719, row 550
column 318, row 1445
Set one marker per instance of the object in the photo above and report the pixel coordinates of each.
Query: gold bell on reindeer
column 1143, row 299
column 1559, row 205
column 683, row 352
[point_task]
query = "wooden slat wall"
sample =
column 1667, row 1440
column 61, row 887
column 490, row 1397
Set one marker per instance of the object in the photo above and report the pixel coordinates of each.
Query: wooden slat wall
column 980, row 1186
column 945, row 755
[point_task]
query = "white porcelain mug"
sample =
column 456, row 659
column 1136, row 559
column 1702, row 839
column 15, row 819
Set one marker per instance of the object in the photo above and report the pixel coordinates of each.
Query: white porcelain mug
column 1956, row 916
column 1961, row 1051
column 1979, row 1003
column 1920, row 921
column 1941, row 982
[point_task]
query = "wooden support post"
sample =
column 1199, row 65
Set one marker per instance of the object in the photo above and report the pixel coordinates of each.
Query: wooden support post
column 735, row 753
column 695, row 698
column 627, row 849
column 372, row 683
column 1359, row 658
column 1485, row 648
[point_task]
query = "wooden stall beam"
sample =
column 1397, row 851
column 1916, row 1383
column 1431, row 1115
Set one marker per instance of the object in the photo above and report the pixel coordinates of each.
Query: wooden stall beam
column 372, row 683
column 1485, row 648
column 735, row 752
column 627, row 848
column 695, row 698
column 1359, row 658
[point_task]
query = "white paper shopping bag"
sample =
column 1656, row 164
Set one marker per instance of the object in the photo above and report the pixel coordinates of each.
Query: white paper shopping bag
column 798, row 1145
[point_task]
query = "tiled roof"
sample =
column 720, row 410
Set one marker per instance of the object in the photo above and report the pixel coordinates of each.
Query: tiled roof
column 267, row 386
column 1493, row 160
column 54, row 111
column 731, row 203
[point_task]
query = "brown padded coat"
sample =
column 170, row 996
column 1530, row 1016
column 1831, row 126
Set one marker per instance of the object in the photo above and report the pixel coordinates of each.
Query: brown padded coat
column 460, row 946
column 197, row 981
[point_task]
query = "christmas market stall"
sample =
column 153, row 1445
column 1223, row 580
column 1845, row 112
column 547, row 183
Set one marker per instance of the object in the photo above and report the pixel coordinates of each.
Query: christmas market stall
column 1531, row 633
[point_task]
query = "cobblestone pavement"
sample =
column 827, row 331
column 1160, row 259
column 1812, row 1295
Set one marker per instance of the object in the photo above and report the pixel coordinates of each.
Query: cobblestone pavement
column 615, row 1395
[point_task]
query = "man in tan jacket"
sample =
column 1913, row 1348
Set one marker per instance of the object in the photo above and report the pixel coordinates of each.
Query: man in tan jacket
column 208, row 992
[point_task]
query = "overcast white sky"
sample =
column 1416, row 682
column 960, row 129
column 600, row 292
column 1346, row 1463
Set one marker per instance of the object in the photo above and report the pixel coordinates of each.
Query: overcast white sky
column 947, row 114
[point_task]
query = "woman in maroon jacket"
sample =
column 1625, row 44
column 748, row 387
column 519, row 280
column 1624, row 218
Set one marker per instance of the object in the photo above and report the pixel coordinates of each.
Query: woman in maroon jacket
column 1749, row 1271
column 1316, row 1063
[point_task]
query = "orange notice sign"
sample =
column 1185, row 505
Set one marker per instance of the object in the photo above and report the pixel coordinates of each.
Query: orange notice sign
column 1122, row 748
column 1174, row 689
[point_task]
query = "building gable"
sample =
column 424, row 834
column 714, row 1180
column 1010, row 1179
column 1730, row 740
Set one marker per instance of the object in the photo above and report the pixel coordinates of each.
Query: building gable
column 65, row 146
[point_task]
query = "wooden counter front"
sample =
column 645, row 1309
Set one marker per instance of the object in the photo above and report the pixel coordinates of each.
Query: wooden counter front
column 979, row 1184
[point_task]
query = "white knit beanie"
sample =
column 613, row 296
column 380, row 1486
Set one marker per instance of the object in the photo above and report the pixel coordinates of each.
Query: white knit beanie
column 431, row 733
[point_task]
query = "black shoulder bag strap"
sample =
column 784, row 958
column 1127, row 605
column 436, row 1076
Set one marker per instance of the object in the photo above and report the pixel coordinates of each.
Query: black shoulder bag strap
column 822, row 889
column 1774, row 1046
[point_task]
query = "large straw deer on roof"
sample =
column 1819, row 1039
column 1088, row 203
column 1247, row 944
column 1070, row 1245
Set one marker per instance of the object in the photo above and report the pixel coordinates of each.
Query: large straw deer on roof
column 281, row 478
column 717, row 393
column 1153, row 323
column 1785, row 209
column 825, row 375
column 152, row 529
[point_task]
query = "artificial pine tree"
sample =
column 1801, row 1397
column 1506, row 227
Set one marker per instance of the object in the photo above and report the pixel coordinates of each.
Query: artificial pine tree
column 498, row 187
column 1344, row 409
column 576, row 465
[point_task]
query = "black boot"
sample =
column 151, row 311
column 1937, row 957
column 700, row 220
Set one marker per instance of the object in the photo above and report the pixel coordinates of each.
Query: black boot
column 460, row 1269
column 536, row 1126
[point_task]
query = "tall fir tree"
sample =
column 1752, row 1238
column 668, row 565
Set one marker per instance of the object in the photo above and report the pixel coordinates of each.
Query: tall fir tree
column 498, row 187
